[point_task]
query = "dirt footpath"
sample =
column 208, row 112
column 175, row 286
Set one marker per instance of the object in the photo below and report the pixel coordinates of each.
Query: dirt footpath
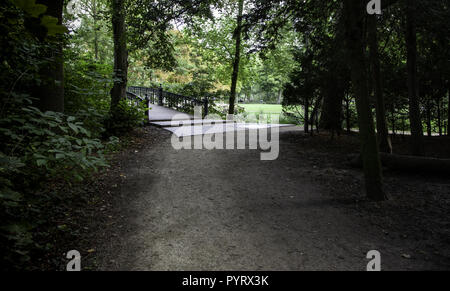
column 228, row 210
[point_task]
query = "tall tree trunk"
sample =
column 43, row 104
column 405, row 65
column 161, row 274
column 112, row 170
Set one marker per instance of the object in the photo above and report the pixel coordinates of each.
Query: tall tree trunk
column 51, row 92
column 118, row 91
column 414, row 109
column 306, row 127
column 315, row 116
column 382, row 129
column 354, row 11
column 348, row 115
column 95, row 16
column 332, row 106
column 429, row 129
column 439, row 119
column 237, row 57
column 393, row 121
column 448, row 111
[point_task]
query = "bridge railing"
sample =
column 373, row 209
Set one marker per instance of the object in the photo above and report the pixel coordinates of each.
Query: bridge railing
column 167, row 99
column 145, row 93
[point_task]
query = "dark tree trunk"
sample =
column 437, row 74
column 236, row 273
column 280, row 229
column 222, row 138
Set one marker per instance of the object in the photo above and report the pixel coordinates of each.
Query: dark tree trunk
column 448, row 112
column 237, row 58
column 348, row 115
column 354, row 11
column 382, row 129
column 315, row 116
column 51, row 92
column 429, row 118
column 118, row 92
column 414, row 109
column 439, row 119
column 306, row 116
column 95, row 16
column 403, row 127
column 393, row 121
column 332, row 106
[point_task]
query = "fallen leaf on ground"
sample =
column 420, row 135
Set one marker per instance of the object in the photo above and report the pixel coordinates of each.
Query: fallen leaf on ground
column 406, row 256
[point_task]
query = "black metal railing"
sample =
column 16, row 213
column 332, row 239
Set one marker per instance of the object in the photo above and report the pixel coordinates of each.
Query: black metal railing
column 134, row 98
column 145, row 93
column 174, row 101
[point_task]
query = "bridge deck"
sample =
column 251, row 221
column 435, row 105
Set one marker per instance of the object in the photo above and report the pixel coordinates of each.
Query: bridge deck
column 187, row 126
column 160, row 113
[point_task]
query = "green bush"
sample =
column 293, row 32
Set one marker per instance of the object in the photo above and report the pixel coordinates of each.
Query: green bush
column 93, row 121
column 124, row 118
column 87, row 85
column 38, row 150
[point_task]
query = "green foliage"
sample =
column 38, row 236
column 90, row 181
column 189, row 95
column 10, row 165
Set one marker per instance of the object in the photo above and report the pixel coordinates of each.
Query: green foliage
column 30, row 7
column 38, row 148
column 36, row 10
column 124, row 118
column 88, row 85
column 52, row 26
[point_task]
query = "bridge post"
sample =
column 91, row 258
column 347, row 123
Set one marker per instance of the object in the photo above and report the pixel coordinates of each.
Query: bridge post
column 206, row 106
column 147, row 106
column 161, row 100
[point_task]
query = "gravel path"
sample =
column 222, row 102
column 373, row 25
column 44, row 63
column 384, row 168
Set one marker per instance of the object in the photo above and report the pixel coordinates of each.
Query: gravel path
column 227, row 210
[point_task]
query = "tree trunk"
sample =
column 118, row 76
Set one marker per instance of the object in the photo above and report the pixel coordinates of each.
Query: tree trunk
column 332, row 105
column 439, row 119
column 348, row 115
column 118, row 91
column 414, row 109
column 403, row 126
column 237, row 57
column 306, row 127
column 95, row 16
column 315, row 116
column 429, row 118
column 393, row 121
column 384, row 140
column 354, row 11
column 51, row 92
column 448, row 112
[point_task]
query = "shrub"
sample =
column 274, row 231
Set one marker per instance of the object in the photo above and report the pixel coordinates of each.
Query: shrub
column 38, row 150
column 124, row 118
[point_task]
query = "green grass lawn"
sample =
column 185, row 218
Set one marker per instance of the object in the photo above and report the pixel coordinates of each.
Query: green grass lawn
column 269, row 109
column 262, row 108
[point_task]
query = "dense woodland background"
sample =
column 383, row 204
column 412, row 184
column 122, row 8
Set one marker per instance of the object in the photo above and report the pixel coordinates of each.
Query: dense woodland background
column 65, row 66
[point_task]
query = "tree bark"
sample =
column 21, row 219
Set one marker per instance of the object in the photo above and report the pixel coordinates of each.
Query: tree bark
column 448, row 112
column 332, row 105
column 237, row 57
column 354, row 11
column 429, row 129
column 315, row 116
column 51, row 92
column 414, row 109
column 384, row 140
column 95, row 16
column 348, row 115
column 306, row 126
column 439, row 119
column 393, row 121
column 118, row 92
